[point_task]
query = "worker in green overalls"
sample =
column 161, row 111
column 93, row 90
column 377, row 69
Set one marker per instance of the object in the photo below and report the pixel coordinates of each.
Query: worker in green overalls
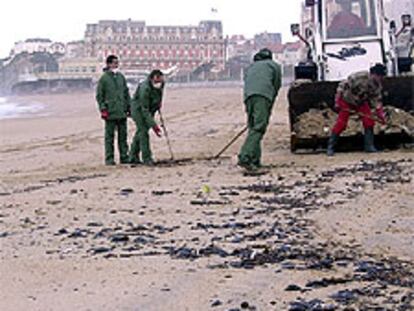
column 262, row 82
column 113, row 99
column 145, row 103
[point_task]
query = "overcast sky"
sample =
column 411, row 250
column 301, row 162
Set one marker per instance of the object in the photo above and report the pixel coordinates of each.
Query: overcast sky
column 66, row 20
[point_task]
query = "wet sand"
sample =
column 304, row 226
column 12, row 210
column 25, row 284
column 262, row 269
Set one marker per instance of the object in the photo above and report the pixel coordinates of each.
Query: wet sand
column 203, row 235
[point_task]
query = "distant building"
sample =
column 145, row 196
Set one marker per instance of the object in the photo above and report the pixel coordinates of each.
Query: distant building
column 267, row 39
column 57, row 48
column 292, row 53
column 79, row 68
column 142, row 47
column 26, row 67
column 238, row 45
column 240, row 52
column 31, row 46
column 37, row 45
column 75, row 49
column 278, row 52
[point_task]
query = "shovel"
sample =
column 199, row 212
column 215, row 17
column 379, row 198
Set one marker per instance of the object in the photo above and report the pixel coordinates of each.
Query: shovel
column 401, row 127
column 230, row 143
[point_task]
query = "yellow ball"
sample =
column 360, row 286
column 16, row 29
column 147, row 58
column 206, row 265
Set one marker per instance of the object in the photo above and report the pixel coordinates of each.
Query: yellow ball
column 206, row 189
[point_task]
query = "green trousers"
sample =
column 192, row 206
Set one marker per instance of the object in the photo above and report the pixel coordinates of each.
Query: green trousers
column 141, row 141
column 112, row 126
column 258, row 110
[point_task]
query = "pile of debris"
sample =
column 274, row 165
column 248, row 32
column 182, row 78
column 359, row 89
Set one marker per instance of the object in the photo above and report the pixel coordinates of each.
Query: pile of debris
column 318, row 123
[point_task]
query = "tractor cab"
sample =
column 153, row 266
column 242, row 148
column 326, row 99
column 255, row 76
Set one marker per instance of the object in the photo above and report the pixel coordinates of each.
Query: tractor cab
column 346, row 36
column 343, row 37
column 350, row 19
column 351, row 39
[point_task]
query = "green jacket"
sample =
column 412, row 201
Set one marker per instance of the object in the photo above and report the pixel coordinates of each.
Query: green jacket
column 146, row 103
column 262, row 78
column 112, row 94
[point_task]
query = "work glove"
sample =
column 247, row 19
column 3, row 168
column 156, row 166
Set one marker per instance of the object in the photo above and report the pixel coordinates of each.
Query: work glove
column 104, row 114
column 157, row 130
column 381, row 115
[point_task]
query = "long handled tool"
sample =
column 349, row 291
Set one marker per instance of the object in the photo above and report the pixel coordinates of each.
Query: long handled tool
column 401, row 127
column 230, row 143
column 164, row 128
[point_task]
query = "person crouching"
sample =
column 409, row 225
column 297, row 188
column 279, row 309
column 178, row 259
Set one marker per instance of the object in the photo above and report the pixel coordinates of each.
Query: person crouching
column 359, row 93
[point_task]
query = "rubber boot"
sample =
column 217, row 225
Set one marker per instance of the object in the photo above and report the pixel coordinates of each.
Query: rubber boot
column 134, row 159
column 331, row 145
column 149, row 162
column 369, row 140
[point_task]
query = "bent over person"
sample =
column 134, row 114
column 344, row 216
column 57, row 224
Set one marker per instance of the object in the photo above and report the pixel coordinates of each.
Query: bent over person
column 261, row 86
column 360, row 93
column 113, row 99
column 145, row 103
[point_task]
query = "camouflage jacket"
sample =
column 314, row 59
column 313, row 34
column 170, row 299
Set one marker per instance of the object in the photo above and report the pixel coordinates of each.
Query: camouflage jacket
column 360, row 88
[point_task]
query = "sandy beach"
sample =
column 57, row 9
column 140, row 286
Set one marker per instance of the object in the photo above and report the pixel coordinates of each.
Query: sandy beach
column 311, row 232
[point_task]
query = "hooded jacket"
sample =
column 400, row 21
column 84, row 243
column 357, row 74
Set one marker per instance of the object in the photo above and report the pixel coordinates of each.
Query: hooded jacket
column 263, row 77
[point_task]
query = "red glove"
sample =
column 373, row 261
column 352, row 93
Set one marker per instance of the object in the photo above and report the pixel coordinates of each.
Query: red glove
column 157, row 130
column 105, row 114
column 381, row 115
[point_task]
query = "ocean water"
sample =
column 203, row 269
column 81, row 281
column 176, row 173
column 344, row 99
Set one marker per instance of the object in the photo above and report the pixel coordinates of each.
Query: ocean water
column 12, row 110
